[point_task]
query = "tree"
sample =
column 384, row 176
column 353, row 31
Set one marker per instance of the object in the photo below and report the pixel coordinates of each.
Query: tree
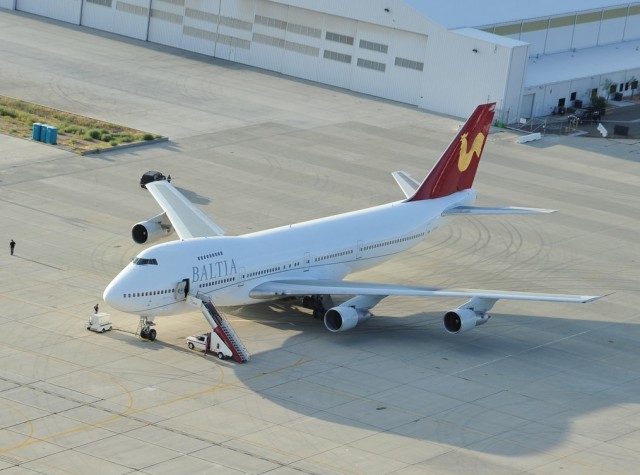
column 634, row 84
column 606, row 86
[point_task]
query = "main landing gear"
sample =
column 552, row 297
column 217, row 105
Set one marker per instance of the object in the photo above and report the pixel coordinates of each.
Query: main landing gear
column 145, row 330
column 317, row 303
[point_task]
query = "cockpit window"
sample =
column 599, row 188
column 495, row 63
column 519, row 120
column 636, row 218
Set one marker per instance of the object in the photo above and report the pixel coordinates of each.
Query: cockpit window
column 139, row 261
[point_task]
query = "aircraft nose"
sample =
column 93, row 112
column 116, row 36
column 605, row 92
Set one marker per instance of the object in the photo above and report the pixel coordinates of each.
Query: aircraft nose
column 113, row 294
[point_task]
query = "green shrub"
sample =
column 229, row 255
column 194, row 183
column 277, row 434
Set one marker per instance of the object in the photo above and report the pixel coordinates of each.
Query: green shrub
column 72, row 129
column 94, row 134
column 7, row 113
column 106, row 137
column 147, row 137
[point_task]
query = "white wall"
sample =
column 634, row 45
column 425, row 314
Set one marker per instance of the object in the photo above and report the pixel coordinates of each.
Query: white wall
column 127, row 18
column 98, row 16
column 511, row 109
column 585, row 35
column 131, row 18
column 537, row 40
column 235, row 29
column 304, row 40
column 165, row 23
column 558, row 39
column 200, row 26
column 458, row 78
column 632, row 27
column 579, row 30
column 546, row 96
column 404, row 83
column 611, row 31
column 63, row 10
column 437, row 69
column 365, row 79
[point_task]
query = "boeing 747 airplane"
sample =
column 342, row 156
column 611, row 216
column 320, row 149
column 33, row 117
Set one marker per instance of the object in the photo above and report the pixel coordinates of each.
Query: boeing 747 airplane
column 311, row 259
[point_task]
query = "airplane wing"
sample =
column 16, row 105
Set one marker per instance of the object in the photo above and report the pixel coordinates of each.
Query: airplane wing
column 188, row 221
column 281, row 288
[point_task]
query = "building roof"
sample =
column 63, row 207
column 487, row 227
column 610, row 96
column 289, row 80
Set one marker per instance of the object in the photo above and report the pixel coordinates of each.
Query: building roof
column 490, row 37
column 583, row 63
column 478, row 13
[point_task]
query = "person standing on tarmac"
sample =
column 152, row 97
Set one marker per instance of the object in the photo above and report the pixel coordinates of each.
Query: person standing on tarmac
column 12, row 246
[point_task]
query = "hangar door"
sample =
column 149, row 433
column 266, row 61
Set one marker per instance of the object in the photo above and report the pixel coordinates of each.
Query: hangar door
column 189, row 25
column 526, row 111
column 63, row 10
column 406, row 67
column 126, row 18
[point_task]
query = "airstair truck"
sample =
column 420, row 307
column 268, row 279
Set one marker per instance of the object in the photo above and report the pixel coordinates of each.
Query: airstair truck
column 223, row 339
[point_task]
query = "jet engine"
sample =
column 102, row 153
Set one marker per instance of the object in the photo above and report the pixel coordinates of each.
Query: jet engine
column 151, row 230
column 461, row 320
column 342, row 318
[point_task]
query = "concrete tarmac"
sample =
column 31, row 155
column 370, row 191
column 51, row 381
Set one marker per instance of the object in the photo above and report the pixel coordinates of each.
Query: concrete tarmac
column 542, row 388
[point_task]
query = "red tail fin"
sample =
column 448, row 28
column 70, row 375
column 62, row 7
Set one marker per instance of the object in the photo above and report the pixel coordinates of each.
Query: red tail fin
column 457, row 166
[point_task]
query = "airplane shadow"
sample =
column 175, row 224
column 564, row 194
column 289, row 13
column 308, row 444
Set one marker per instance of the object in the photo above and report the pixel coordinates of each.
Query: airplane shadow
column 517, row 386
column 192, row 196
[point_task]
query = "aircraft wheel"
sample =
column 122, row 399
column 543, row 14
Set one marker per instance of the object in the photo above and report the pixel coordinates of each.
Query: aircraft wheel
column 220, row 356
column 144, row 333
column 152, row 334
column 190, row 345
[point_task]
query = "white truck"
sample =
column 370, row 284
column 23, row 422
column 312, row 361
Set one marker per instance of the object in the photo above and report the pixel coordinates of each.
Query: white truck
column 210, row 343
column 99, row 322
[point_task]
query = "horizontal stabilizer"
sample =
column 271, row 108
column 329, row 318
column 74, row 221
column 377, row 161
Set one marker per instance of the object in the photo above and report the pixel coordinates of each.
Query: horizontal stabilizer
column 407, row 183
column 495, row 210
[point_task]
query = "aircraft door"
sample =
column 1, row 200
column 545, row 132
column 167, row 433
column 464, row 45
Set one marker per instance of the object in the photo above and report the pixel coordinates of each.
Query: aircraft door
column 359, row 250
column 181, row 290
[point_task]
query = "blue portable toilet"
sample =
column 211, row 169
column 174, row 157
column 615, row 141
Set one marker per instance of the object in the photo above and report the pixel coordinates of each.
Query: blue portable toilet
column 37, row 127
column 52, row 134
column 43, row 133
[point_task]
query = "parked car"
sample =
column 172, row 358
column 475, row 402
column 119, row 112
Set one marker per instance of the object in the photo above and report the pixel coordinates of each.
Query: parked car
column 589, row 114
column 215, row 345
column 199, row 342
column 150, row 176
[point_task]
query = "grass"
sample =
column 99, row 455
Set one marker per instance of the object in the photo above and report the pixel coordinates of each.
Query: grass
column 78, row 133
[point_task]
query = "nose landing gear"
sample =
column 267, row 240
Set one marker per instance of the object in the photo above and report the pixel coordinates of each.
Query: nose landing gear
column 145, row 330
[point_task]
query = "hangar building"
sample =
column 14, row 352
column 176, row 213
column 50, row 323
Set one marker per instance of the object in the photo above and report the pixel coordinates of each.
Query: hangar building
column 530, row 57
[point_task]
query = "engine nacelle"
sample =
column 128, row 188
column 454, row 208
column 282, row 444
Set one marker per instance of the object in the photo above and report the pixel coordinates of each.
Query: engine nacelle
column 151, row 230
column 341, row 318
column 462, row 320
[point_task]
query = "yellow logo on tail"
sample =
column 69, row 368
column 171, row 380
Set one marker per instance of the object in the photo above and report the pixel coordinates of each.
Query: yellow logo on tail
column 466, row 154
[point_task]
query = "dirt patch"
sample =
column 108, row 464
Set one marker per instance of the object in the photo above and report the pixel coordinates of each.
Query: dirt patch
column 74, row 132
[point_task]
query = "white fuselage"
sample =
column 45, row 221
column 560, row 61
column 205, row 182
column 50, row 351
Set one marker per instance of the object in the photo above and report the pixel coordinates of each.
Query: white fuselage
column 227, row 268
